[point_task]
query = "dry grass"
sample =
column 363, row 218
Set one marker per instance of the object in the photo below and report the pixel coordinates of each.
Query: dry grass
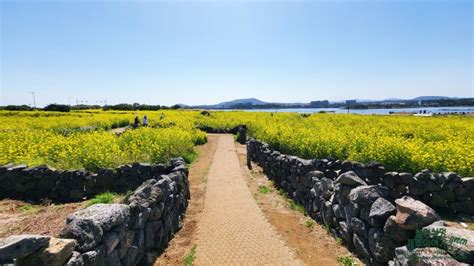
column 18, row 217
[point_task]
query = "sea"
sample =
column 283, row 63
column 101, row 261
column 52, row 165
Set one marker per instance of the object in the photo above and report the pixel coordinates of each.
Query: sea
column 418, row 110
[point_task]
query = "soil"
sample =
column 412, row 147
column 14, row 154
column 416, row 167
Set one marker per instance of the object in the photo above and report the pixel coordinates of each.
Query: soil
column 18, row 217
column 184, row 240
column 310, row 241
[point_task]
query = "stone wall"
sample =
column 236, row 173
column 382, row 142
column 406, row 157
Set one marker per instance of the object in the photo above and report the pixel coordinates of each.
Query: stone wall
column 131, row 233
column 240, row 131
column 373, row 211
column 41, row 182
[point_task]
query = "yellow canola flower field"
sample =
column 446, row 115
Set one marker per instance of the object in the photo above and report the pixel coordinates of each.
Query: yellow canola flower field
column 14, row 120
column 399, row 142
column 65, row 141
column 81, row 139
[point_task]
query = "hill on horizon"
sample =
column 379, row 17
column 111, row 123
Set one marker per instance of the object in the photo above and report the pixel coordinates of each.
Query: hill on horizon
column 255, row 101
column 229, row 104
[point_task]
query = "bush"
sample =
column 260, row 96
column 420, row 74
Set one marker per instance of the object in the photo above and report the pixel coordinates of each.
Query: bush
column 137, row 106
column 85, row 107
column 17, row 108
column 57, row 108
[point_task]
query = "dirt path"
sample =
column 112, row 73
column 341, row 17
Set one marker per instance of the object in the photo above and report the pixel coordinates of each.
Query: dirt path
column 120, row 130
column 233, row 229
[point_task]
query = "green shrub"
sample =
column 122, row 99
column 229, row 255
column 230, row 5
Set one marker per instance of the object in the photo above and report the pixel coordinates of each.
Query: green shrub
column 57, row 108
column 190, row 157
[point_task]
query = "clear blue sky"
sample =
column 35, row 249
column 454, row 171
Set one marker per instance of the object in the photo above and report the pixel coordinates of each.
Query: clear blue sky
column 207, row 52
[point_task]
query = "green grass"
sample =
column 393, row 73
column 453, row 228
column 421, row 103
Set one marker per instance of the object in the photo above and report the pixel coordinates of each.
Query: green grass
column 28, row 208
column 283, row 193
column 327, row 228
column 105, row 198
column 189, row 259
column 291, row 203
column 295, row 206
column 190, row 157
column 339, row 240
column 127, row 195
column 309, row 223
column 264, row 189
column 346, row 260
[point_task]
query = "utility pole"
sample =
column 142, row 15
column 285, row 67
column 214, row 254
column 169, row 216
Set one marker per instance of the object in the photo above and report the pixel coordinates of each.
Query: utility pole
column 34, row 99
column 102, row 103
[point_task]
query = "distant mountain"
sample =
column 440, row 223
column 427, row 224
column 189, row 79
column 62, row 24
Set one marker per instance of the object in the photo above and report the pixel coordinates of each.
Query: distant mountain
column 430, row 98
column 229, row 104
column 249, row 103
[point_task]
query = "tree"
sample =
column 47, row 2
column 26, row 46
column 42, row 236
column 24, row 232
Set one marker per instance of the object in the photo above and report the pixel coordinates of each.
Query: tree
column 57, row 108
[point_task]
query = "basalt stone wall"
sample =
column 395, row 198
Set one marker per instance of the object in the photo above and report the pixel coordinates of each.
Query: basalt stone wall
column 441, row 191
column 372, row 210
column 35, row 183
column 241, row 130
column 132, row 233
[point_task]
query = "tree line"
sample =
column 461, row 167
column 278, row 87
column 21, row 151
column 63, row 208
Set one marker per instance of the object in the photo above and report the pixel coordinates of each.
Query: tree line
column 66, row 108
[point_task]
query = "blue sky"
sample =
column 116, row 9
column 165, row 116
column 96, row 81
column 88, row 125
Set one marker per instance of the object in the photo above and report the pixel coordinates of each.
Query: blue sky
column 207, row 52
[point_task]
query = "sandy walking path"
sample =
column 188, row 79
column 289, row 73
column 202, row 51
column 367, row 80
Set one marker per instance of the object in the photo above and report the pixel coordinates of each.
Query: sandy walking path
column 232, row 229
